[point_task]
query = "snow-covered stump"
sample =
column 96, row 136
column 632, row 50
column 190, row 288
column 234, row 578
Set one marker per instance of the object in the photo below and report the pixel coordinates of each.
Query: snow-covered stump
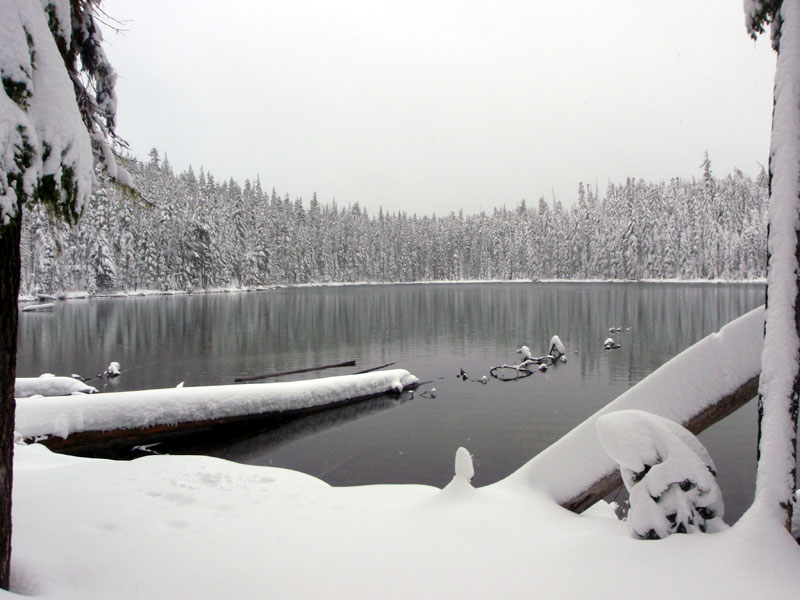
column 79, row 423
column 669, row 475
column 700, row 386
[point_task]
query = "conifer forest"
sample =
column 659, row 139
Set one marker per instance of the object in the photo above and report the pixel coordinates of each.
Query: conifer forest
column 193, row 232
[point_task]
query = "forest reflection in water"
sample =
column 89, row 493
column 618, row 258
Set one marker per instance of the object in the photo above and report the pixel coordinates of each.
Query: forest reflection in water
column 431, row 330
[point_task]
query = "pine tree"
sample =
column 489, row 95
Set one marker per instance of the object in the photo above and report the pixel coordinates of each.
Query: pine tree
column 54, row 46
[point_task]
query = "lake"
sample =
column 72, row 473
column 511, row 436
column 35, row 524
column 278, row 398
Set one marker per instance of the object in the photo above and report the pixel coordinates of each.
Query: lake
column 432, row 330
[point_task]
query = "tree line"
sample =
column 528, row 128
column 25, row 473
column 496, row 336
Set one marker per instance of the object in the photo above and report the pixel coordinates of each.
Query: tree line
column 193, row 232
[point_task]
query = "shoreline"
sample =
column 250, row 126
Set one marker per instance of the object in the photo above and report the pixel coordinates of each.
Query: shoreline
column 84, row 295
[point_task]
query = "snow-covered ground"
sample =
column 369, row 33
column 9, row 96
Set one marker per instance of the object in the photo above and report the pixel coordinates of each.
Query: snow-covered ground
column 197, row 527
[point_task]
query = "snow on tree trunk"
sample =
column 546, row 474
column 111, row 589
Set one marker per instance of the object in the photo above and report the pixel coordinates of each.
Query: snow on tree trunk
column 778, row 390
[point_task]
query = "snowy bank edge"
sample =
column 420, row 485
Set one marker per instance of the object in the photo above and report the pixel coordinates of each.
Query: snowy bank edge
column 83, row 295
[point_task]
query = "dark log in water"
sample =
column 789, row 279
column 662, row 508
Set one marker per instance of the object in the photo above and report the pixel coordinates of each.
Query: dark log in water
column 349, row 363
column 373, row 369
column 607, row 483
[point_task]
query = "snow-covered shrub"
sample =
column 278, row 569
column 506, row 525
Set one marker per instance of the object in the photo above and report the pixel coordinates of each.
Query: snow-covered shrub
column 668, row 473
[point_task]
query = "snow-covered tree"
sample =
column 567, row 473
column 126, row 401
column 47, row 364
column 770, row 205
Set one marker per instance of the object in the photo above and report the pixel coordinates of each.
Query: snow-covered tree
column 57, row 109
column 780, row 363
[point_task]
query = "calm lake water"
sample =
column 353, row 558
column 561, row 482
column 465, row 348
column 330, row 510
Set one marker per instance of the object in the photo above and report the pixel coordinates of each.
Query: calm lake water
column 431, row 330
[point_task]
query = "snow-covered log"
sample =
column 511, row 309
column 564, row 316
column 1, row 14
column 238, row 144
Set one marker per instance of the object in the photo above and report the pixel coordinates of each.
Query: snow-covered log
column 698, row 387
column 47, row 306
column 50, row 385
column 104, row 420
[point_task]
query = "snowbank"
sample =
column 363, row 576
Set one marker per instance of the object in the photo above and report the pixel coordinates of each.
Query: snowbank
column 712, row 368
column 64, row 415
column 198, row 527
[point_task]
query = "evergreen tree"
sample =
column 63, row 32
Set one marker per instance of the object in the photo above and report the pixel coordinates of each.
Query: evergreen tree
column 51, row 53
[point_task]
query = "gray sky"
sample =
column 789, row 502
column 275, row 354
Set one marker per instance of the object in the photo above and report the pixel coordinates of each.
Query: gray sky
column 431, row 106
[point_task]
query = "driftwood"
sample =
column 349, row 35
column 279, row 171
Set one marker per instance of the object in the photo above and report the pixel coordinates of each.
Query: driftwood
column 373, row 369
column 349, row 363
column 608, row 482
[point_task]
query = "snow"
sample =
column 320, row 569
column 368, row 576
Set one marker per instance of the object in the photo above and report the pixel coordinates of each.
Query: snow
column 198, row 527
column 525, row 352
column 693, row 380
column 556, row 347
column 464, row 467
column 38, row 307
column 113, row 369
column 667, row 472
column 64, row 415
column 49, row 385
column 775, row 479
column 52, row 119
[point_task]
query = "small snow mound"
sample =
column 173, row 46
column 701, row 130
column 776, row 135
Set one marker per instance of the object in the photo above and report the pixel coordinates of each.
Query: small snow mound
column 557, row 347
column 113, row 369
column 525, row 352
column 667, row 471
column 464, row 467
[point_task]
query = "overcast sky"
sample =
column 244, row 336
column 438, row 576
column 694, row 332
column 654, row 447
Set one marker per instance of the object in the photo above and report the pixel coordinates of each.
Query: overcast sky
column 431, row 106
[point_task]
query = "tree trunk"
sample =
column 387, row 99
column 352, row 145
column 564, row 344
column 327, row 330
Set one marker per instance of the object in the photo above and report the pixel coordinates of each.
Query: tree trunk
column 9, row 291
column 780, row 360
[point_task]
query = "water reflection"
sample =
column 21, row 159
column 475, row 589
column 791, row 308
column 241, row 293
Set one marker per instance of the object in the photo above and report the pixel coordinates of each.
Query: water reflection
column 432, row 330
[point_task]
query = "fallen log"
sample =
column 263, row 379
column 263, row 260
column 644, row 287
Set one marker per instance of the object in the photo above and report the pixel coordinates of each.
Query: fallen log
column 609, row 482
column 349, row 363
column 45, row 307
column 701, row 385
column 91, row 422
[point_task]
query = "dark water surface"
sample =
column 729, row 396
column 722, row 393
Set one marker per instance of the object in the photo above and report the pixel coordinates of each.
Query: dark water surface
column 431, row 330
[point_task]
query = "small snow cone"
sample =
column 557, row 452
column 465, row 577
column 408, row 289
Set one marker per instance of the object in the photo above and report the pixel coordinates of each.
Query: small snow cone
column 668, row 473
column 464, row 467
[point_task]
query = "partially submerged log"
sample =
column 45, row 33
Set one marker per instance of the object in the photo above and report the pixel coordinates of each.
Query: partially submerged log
column 697, row 388
column 86, row 423
column 348, row 363
column 45, row 307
